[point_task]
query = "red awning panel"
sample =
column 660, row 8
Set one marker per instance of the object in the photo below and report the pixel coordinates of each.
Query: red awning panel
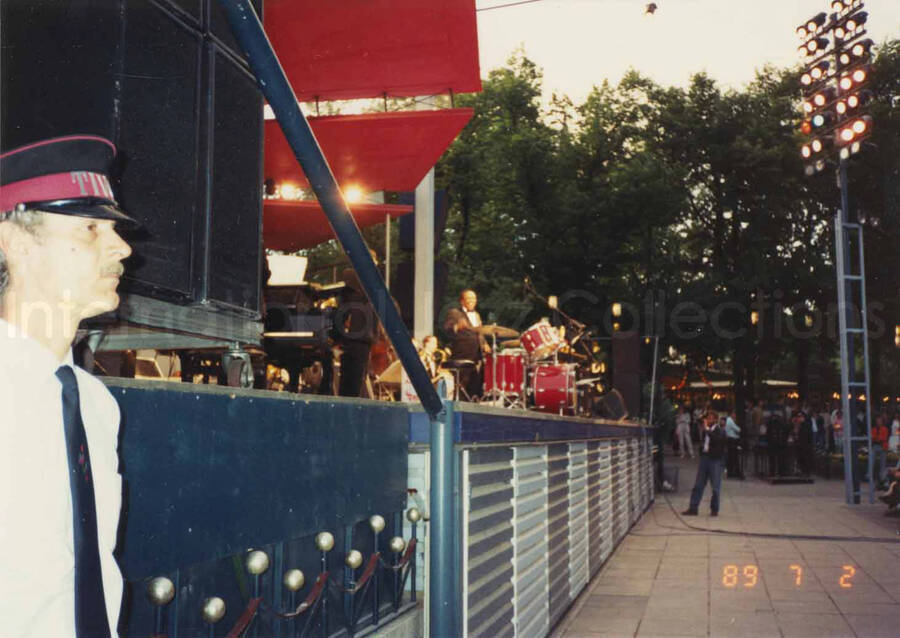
column 375, row 151
column 291, row 226
column 345, row 49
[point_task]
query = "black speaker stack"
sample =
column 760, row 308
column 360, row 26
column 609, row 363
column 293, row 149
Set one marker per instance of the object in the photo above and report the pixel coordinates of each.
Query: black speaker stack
column 165, row 81
column 626, row 373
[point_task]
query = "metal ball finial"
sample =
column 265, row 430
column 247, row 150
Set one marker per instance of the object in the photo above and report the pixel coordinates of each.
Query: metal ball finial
column 257, row 562
column 376, row 522
column 397, row 544
column 324, row 541
column 413, row 515
column 354, row 559
column 294, row 579
column 213, row 609
column 160, row 591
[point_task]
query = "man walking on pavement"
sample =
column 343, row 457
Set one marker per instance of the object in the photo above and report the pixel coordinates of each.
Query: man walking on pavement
column 712, row 452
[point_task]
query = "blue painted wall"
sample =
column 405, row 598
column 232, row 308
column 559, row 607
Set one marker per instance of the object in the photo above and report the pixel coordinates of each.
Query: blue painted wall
column 212, row 471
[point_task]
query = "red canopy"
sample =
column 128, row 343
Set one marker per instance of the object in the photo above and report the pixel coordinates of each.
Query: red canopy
column 292, row 225
column 345, row 49
column 375, row 151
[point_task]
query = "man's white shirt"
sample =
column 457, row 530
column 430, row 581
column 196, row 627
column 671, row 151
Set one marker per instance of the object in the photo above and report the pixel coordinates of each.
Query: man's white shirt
column 36, row 548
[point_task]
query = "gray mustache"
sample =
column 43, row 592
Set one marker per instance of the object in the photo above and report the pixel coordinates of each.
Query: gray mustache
column 116, row 269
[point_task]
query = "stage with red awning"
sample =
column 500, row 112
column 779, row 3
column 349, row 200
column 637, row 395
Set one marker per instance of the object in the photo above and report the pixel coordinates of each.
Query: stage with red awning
column 375, row 151
column 350, row 49
column 292, row 226
column 347, row 49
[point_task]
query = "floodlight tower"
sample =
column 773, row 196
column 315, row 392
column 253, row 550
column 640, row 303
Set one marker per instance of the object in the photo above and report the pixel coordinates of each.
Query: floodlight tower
column 834, row 99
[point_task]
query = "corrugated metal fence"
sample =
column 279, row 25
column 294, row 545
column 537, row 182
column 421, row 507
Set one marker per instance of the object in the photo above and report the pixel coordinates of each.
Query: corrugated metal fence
column 539, row 521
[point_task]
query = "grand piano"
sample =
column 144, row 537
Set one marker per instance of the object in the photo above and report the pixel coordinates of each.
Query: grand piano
column 298, row 328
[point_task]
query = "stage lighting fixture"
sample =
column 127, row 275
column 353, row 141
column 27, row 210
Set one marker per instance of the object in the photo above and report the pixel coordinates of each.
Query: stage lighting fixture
column 862, row 48
column 290, row 191
column 353, row 194
column 823, row 97
column 856, row 21
column 814, row 23
column 821, row 119
column 853, row 101
column 813, row 147
column 854, row 78
column 816, row 45
column 855, row 130
column 819, row 71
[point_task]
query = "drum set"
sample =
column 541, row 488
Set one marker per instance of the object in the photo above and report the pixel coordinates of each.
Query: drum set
column 528, row 371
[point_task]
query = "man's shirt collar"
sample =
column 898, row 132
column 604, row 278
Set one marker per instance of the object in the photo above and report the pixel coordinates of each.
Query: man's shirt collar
column 29, row 356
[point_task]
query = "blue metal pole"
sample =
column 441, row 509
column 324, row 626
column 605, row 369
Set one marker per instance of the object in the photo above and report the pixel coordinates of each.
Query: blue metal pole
column 324, row 598
column 412, row 566
column 281, row 98
column 443, row 597
column 375, row 585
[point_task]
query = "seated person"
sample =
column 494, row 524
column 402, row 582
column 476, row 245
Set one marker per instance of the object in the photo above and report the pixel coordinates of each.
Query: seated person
column 892, row 496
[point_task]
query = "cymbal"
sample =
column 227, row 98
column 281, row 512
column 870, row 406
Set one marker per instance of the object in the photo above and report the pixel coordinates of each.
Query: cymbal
column 499, row 331
column 512, row 343
column 391, row 374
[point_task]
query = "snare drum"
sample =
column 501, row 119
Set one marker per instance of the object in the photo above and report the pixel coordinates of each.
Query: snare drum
column 541, row 340
column 553, row 387
column 510, row 366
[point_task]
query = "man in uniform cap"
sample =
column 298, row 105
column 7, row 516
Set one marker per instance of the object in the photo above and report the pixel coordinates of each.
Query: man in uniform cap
column 60, row 491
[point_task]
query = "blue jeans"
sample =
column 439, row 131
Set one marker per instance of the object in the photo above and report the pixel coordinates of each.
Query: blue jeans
column 710, row 469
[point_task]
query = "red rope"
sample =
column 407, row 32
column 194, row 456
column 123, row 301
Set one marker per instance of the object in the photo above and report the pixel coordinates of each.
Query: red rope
column 367, row 574
column 245, row 618
column 311, row 598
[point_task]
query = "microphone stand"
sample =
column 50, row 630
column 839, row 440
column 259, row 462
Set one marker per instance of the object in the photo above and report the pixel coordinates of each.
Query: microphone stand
column 574, row 323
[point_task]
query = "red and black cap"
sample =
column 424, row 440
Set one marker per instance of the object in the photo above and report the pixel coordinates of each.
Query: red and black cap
column 64, row 175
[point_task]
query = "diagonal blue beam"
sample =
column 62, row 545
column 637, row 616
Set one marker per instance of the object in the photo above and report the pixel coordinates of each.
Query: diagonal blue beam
column 278, row 92
column 444, row 595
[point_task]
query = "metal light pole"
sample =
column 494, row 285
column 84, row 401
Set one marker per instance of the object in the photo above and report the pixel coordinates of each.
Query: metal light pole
column 833, row 100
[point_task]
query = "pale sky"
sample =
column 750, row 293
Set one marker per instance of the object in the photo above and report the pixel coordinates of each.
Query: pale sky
column 579, row 43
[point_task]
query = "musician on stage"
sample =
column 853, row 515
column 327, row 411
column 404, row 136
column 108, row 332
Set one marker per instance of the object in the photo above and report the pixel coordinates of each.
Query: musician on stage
column 429, row 356
column 426, row 354
column 466, row 343
column 357, row 327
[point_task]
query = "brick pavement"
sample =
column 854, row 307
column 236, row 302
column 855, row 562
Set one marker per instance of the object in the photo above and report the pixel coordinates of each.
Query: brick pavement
column 666, row 579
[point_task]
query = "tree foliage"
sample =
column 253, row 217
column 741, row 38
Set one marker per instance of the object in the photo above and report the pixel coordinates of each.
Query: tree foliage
column 664, row 196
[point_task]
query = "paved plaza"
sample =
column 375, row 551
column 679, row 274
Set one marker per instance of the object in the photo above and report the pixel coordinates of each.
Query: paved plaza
column 666, row 579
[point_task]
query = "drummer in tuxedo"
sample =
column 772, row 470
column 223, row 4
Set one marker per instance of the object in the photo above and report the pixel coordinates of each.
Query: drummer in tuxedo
column 466, row 342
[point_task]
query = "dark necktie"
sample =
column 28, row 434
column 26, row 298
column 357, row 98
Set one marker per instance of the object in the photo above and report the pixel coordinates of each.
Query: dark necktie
column 90, row 604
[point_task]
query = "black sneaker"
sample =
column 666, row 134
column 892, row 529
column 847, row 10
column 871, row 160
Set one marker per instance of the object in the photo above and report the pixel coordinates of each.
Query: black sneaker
column 713, row 513
column 689, row 512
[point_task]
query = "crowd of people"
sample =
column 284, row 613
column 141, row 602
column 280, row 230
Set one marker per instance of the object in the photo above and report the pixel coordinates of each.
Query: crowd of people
column 786, row 438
